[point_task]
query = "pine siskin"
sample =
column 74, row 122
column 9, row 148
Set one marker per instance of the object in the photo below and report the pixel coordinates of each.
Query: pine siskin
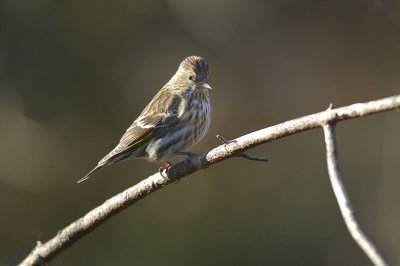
column 177, row 117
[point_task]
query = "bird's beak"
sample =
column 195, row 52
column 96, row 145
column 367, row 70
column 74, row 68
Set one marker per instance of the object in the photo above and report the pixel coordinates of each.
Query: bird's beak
column 205, row 85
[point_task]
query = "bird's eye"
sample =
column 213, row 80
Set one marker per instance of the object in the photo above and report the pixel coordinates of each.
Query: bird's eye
column 191, row 78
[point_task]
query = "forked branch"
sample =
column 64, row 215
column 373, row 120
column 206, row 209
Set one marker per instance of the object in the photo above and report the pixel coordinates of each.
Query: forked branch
column 43, row 253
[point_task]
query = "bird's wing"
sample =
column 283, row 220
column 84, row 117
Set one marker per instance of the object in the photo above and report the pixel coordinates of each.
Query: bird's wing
column 159, row 116
column 139, row 132
column 144, row 127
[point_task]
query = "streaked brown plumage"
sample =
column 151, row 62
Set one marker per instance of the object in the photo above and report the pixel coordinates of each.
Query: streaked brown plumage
column 177, row 117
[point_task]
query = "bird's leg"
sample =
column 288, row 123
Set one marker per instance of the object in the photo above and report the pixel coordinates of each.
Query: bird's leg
column 167, row 165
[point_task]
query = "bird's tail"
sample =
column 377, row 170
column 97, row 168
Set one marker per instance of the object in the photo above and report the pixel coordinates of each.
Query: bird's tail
column 98, row 167
column 113, row 157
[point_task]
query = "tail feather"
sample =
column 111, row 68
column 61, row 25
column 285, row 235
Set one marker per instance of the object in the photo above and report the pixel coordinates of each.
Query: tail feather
column 111, row 158
column 87, row 176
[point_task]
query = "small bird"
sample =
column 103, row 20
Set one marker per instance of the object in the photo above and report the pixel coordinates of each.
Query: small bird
column 176, row 118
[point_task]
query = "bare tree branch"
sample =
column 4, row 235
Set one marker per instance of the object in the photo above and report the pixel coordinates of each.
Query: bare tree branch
column 344, row 201
column 43, row 253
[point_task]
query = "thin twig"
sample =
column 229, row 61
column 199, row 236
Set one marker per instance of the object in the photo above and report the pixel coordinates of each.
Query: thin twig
column 225, row 141
column 344, row 201
column 43, row 253
column 252, row 157
column 243, row 154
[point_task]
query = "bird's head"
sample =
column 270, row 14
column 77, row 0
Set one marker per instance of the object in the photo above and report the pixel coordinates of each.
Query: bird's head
column 193, row 71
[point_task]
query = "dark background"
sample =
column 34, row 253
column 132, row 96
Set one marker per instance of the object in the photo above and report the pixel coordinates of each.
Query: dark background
column 75, row 74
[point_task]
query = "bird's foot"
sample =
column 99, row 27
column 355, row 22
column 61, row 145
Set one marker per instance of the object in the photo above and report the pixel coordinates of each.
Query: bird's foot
column 162, row 169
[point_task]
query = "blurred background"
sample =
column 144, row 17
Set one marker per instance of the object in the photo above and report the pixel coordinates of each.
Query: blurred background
column 75, row 74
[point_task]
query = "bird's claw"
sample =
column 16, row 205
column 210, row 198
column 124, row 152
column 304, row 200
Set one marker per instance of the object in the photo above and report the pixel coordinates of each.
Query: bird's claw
column 165, row 168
